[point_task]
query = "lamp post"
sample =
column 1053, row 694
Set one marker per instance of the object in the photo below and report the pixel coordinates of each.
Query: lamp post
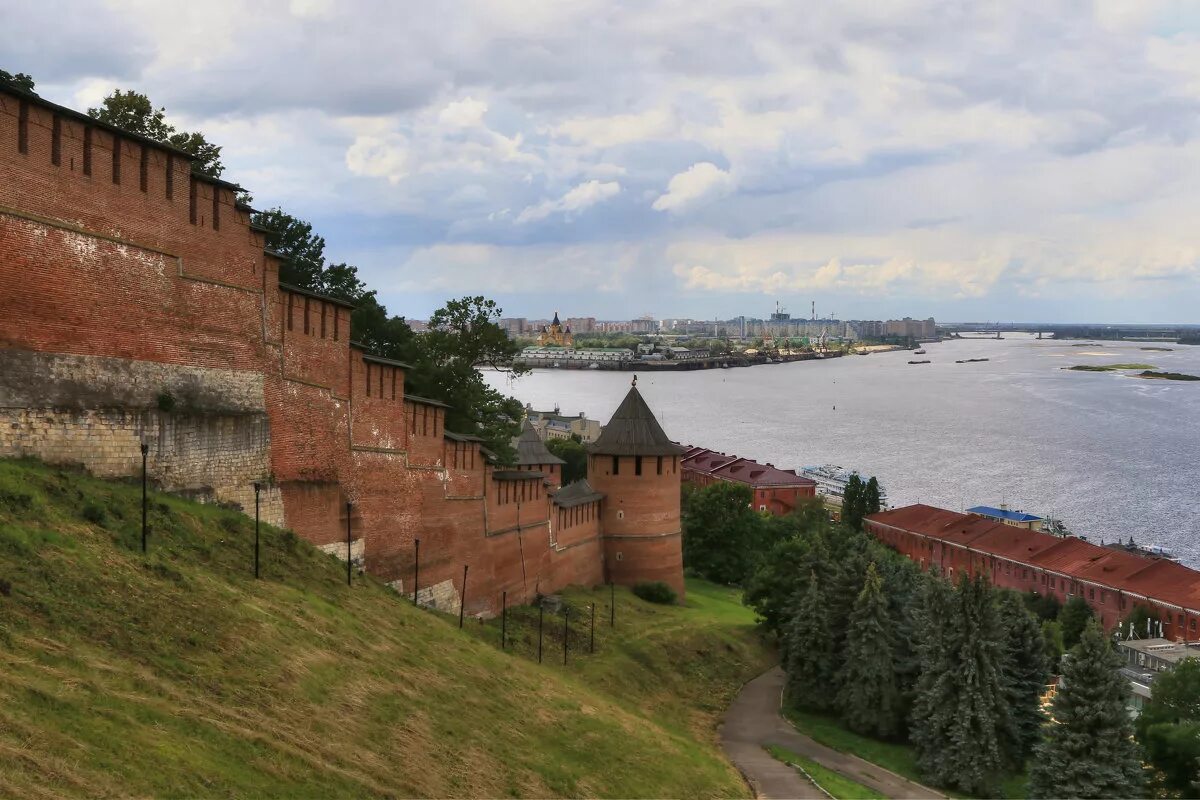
column 349, row 506
column 257, row 489
column 416, row 569
column 145, row 529
column 462, row 603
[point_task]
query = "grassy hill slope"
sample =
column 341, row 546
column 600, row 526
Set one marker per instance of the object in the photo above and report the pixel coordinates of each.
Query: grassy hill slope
column 177, row 674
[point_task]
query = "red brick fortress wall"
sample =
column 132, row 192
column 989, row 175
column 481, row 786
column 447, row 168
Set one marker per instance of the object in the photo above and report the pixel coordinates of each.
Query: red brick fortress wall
column 138, row 305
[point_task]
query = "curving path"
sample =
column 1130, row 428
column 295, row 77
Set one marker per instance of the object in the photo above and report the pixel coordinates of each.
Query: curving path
column 753, row 721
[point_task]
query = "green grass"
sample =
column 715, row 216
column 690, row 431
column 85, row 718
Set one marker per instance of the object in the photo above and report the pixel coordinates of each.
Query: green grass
column 837, row 785
column 899, row 758
column 1108, row 367
column 177, row 674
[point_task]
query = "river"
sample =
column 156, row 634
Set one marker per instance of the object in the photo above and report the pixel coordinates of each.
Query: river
column 1110, row 455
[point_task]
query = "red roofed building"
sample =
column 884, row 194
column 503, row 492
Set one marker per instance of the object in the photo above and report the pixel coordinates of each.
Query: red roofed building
column 775, row 490
column 1111, row 581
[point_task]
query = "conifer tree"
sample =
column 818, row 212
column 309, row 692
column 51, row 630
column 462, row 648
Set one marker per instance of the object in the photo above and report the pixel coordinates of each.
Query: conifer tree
column 844, row 588
column 852, row 502
column 868, row 699
column 960, row 716
column 872, row 501
column 1025, row 673
column 1088, row 750
column 810, row 662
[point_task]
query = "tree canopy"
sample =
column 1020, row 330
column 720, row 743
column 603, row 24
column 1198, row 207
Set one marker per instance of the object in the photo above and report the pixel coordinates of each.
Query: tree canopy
column 723, row 537
column 132, row 111
column 574, row 453
column 1169, row 725
column 19, row 80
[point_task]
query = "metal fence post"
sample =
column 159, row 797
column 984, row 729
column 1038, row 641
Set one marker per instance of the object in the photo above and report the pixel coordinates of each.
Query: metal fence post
column 503, row 618
column 462, row 603
column 348, row 547
column 145, row 529
column 612, row 604
column 541, row 616
column 592, row 634
column 416, row 569
column 257, row 488
column 566, row 632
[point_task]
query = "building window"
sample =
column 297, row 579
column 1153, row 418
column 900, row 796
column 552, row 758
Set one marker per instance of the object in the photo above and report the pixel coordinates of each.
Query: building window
column 616, row 465
column 87, row 150
column 637, row 465
column 762, row 508
column 56, row 141
column 144, row 169
column 306, row 315
column 322, row 320
column 170, row 175
column 1091, row 594
column 289, row 308
column 660, row 465
column 618, row 555
column 216, row 213
column 23, row 127
column 192, row 214
column 335, row 324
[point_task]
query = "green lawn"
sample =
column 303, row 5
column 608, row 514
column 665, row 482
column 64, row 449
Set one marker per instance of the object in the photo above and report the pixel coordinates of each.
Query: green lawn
column 899, row 758
column 840, row 787
column 177, row 674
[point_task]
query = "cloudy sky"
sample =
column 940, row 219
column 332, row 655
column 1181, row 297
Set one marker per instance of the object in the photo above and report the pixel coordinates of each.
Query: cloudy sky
column 967, row 160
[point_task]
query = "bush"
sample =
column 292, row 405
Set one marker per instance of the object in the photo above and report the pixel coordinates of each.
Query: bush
column 166, row 402
column 655, row 592
column 94, row 514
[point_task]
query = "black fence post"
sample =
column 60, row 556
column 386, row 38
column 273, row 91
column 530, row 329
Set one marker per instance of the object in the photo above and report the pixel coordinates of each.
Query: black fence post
column 566, row 631
column 257, row 489
column 462, row 602
column 541, row 616
column 612, row 605
column 349, row 560
column 416, row 569
column 503, row 618
column 592, row 634
column 145, row 528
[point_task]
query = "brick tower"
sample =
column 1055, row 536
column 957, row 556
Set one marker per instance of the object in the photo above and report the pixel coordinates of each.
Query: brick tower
column 637, row 468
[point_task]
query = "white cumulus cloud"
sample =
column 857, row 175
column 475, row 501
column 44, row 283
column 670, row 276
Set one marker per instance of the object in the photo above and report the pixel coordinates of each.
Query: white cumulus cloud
column 698, row 183
column 582, row 196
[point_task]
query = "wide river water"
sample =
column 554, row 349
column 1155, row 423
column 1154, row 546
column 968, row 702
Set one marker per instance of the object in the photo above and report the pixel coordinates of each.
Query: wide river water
column 1110, row 455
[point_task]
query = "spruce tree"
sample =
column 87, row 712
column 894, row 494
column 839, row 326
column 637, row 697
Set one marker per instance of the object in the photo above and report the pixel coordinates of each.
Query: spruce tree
column 810, row 662
column 1025, row 675
column 868, row 699
column 872, row 501
column 1088, row 750
column 852, row 503
column 960, row 717
column 933, row 701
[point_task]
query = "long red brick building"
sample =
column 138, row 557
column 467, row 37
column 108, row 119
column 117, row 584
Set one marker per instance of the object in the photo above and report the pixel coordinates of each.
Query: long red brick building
column 1111, row 581
column 140, row 305
column 775, row 490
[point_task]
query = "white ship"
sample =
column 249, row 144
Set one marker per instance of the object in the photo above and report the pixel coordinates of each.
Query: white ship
column 831, row 481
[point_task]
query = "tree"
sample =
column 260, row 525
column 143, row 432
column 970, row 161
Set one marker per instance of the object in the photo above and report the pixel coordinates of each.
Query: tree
column 1052, row 644
column 723, row 537
column 776, row 584
column 1045, row 606
column 853, row 508
column 810, row 662
column 574, row 453
column 1141, row 621
column 1025, row 673
column 872, row 501
column 302, row 250
column 960, row 718
column 1074, row 618
column 132, row 111
column 1169, row 725
column 1090, row 751
column 868, row 699
column 19, row 80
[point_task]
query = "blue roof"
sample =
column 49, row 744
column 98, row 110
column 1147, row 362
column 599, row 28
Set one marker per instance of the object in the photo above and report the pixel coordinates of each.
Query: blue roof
column 1015, row 516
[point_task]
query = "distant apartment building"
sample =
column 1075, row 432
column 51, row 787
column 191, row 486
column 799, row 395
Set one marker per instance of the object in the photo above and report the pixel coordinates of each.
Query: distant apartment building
column 556, row 425
column 857, row 329
column 515, row 326
column 911, row 328
column 777, row 491
column 581, row 324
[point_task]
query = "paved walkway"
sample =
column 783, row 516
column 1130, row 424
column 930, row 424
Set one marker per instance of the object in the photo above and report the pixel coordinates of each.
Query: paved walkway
column 753, row 721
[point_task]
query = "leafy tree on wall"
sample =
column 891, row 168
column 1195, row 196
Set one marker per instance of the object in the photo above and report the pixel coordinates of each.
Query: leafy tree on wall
column 19, row 80
column 133, row 111
column 1089, row 751
column 574, row 453
column 869, row 699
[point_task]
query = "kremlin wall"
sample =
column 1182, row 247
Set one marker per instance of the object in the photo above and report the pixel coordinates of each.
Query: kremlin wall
column 140, row 305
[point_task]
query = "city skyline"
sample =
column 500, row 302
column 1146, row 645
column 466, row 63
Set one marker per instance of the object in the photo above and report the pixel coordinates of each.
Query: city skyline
column 1025, row 163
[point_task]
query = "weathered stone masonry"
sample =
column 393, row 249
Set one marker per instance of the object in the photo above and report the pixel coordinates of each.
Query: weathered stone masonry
column 137, row 304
